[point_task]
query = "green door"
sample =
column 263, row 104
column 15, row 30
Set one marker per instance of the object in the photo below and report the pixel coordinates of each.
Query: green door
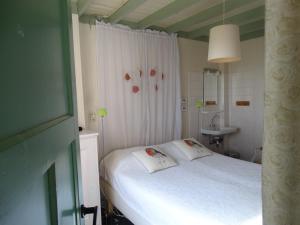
column 39, row 180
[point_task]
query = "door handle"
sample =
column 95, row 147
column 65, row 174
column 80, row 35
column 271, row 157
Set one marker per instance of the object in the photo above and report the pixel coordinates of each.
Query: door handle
column 89, row 210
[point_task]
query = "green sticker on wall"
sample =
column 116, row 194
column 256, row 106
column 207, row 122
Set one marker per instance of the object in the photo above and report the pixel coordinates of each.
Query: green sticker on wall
column 199, row 104
column 102, row 112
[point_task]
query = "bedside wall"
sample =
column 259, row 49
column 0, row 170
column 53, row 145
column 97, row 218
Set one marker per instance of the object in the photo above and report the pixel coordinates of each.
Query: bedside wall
column 78, row 71
column 246, row 82
column 193, row 59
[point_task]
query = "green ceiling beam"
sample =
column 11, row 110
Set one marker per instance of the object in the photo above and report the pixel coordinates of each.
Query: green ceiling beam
column 134, row 25
column 237, row 19
column 244, row 37
column 165, row 12
column 247, row 31
column 207, row 14
column 182, row 34
column 251, row 27
column 130, row 24
column 157, row 28
column 124, row 10
column 82, row 6
column 254, row 34
column 91, row 19
column 244, row 29
column 203, row 38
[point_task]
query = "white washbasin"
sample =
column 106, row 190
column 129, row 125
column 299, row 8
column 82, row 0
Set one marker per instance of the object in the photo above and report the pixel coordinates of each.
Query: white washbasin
column 220, row 131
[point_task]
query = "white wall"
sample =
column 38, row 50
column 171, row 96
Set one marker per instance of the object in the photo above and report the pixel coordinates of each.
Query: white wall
column 246, row 82
column 78, row 72
column 193, row 59
column 89, row 72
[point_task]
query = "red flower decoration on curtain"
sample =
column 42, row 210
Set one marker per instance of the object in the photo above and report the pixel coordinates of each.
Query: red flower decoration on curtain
column 135, row 89
column 152, row 72
column 127, row 76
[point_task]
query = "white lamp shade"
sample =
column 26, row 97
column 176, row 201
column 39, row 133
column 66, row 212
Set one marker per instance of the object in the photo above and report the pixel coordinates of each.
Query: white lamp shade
column 224, row 44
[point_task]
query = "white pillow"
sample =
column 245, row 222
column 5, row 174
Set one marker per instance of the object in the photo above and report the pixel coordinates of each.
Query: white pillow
column 153, row 159
column 192, row 149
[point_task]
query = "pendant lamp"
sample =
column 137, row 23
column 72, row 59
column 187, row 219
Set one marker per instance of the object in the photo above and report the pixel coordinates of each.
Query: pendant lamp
column 224, row 43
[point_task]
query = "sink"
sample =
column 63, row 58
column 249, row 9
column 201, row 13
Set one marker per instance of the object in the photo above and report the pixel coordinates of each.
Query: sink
column 219, row 132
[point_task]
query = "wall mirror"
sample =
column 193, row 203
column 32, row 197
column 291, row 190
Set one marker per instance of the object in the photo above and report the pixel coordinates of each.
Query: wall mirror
column 211, row 87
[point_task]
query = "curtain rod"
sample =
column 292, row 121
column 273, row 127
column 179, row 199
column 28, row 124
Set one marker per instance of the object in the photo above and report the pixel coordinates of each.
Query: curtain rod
column 91, row 19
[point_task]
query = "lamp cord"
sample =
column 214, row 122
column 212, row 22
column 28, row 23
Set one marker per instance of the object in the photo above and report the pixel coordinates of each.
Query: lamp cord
column 223, row 12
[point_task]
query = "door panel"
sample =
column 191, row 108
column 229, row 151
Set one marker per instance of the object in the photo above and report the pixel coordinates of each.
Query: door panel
column 34, row 201
column 29, row 192
column 34, row 62
column 66, row 202
column 39, row 148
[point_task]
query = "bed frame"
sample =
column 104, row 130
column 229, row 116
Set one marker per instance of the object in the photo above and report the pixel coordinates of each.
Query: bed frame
column 115, row 200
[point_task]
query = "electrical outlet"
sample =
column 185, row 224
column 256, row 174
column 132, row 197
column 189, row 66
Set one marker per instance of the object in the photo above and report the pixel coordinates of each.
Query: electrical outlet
column 93, row 116
column 184, row 100
column 184, row 107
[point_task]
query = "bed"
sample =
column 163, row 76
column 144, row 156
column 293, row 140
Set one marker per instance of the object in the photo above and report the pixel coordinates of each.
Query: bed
column 213, row 190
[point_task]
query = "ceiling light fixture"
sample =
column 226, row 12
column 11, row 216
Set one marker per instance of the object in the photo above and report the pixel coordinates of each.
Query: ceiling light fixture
column 224, row 42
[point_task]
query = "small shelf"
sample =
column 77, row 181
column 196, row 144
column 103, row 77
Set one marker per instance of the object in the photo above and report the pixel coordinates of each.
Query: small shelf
column 87, row 134
column 211, row 111
column 219, row 132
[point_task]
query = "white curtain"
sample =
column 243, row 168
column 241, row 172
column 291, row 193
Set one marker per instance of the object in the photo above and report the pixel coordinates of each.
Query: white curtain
column 139, row 84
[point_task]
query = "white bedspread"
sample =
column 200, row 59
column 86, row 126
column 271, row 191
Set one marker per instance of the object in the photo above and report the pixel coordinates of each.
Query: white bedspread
column 213, row 190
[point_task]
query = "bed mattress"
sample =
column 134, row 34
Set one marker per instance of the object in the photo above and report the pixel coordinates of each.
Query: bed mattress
column 213, row 190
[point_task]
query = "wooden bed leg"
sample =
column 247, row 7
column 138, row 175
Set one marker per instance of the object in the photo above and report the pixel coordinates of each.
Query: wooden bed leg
column 110, row 208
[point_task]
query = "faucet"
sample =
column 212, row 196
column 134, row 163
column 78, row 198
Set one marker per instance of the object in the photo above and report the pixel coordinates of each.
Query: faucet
column 212, row 121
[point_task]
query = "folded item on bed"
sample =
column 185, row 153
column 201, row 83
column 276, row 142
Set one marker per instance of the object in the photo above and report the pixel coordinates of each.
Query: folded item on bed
column 153, row 159
column 192, row 149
